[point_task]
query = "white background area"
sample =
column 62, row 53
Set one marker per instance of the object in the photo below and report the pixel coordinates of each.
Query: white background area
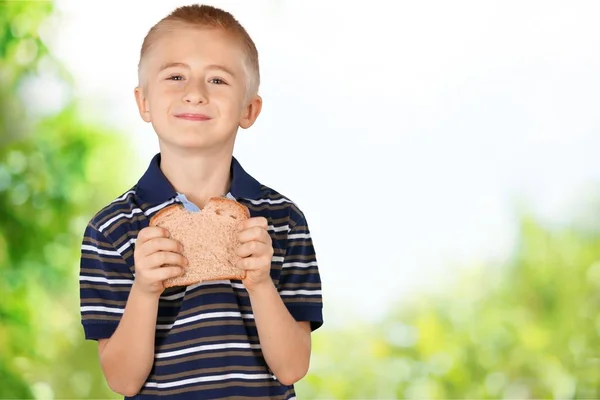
column 406, row 131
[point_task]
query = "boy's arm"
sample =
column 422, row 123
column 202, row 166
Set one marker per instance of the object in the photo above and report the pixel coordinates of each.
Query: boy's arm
column 125, row 335
column 127, row 356
column 285, row 317
column 285, row 342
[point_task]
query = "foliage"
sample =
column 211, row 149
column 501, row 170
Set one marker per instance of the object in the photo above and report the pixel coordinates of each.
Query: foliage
column 529, row 329
column 54, row 173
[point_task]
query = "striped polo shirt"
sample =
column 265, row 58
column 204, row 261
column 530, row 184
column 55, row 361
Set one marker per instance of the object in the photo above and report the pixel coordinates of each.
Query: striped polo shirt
column 207, row 344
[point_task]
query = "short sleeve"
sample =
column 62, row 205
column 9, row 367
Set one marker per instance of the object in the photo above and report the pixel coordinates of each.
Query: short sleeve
column 104, row 284
column 300, row 282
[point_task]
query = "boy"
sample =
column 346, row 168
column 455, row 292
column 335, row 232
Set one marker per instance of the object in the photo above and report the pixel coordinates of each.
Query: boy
column 198, row 82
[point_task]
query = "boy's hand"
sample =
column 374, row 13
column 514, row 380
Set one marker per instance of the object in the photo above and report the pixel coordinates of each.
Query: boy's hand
column 153, row 249
column 256, row 251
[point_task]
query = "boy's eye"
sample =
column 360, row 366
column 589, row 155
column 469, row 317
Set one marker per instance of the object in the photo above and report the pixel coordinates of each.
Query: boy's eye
column 175, row 78
column 217, row 81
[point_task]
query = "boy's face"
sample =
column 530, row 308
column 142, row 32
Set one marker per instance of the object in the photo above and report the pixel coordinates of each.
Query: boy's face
column 193, row 89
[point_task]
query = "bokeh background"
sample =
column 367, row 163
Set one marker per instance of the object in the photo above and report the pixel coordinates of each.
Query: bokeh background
column 445, row 154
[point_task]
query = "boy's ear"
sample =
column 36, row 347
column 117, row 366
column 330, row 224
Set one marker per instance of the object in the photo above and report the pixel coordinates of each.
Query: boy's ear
column 142, row 104
column 251, row 112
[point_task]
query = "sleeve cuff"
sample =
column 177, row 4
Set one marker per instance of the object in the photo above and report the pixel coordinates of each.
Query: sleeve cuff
column 95, row 331
column 313, row 314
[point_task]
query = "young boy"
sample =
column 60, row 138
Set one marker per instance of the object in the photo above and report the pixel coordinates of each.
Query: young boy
column 198, row 82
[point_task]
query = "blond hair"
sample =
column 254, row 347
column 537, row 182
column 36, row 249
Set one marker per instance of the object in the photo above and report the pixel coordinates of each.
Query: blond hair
column 204, row 16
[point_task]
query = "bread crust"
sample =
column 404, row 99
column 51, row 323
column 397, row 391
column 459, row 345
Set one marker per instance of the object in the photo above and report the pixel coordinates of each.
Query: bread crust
column 241, row 211
column 164, row 212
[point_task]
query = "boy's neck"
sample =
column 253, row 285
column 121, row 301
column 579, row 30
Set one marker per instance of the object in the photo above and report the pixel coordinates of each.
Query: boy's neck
column 199, row 177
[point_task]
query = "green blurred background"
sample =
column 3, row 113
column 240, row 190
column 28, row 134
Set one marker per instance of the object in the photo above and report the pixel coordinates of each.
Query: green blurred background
column 526, row 329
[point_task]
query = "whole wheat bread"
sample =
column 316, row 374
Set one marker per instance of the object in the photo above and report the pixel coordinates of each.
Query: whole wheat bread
column 209, row 239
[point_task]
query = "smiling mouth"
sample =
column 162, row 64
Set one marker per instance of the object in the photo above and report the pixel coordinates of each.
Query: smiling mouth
column 193, row 117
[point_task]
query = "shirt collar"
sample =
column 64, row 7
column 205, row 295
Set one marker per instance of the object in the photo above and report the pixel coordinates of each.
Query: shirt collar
column 153, row 187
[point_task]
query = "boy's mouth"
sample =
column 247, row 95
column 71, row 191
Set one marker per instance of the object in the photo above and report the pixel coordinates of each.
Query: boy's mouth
column 193, row 117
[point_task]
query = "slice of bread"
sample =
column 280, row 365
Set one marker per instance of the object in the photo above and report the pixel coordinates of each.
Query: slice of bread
column 209, row 239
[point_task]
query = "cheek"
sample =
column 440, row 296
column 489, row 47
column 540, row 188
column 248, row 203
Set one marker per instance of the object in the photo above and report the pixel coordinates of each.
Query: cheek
column 161, row 99
column 234, row 102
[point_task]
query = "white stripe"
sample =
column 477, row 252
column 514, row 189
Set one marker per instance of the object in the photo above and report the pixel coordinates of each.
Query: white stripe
column 195, row 285
column 238, row 286
column 278, row 201
column 123, row 197
column 300, row 264
column 297, row 292
column 122, row 249
column 277, row 259
column 117, row 217
column 135, row 211
column 212, row 283
column 105, row 309
column 105, row 280
column 99, row 251
column 213, row 378
column 206, row 347
column 221, row 314
column 279, row 228
column 299, row 236
column 160, row 206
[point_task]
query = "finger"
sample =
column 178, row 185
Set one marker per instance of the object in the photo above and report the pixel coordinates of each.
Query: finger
column 249, row 248
column 161, row 258
column 255, row 249
column 255, row 233
column 261, row 222
column 151, row 232
column 251, row 263
column 160, row 244
column 160, row 274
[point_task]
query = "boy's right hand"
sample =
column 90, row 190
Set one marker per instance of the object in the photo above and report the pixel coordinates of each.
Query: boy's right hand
column 153, row 249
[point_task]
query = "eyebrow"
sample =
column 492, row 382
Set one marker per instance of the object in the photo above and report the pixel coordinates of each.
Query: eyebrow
column 184, row 65
column 221, row 68
column 173, row 65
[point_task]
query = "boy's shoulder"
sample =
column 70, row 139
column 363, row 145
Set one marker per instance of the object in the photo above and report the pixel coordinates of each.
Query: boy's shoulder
column 124, row 204
column 152, row 192
column 277, row 205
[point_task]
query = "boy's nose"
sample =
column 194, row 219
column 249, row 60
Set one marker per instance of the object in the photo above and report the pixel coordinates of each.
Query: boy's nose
column 195, row 96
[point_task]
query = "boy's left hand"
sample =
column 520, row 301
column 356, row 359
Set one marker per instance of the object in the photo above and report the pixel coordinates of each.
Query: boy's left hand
column 256, row 251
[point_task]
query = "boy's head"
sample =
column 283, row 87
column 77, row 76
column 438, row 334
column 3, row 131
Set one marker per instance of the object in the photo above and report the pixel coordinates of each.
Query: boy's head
column 198, row 73
column 203, row 16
